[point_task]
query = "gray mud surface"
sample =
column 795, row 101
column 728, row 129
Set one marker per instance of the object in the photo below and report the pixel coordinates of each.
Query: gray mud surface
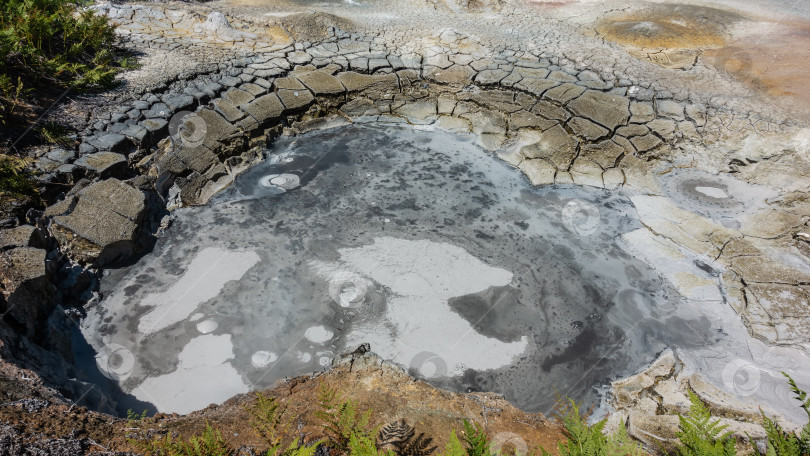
column 421, row 243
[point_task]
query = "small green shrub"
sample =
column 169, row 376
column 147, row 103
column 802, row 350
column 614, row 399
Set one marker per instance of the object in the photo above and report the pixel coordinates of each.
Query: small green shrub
column 585, row 439
column 56, row 39
column 54, row 43
column 699, row 435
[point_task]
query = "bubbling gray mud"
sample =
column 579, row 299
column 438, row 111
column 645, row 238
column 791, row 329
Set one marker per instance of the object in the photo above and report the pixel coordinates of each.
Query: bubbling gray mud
column 442, row 257
column 719, row 197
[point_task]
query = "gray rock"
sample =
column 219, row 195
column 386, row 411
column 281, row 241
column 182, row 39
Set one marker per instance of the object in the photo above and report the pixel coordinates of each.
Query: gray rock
column 238, row 97
column 377, row 64
column 665, row 128
column 21, row 236
column 563, row 93
column 230, row 81
column 217, row 130
column 99, row 224
column 488, row 77
column 587, row 129
column 179, row 102
column 137, row 134
column 156, row 129
column 290, row 83
column 86, row 148
column 356, row 82
column 228, row 110
column 265, row 108
column 158, row 110
column 73, row 172
column 263, row 83
column 134, row 114
column 555, row 145
column 210, row 88
column 103, row 164
column 360, row 107
column 642, row 112
column 116, row 127
column 646, row 143
column 27, row 290
column 299, row 58
column 295, row 99
column 605, row 109
column 253, row 89
column 46, row 164
column 671, row 109
column 184, row 158
column 109, row 141
column 561, row 76
column 321, row 83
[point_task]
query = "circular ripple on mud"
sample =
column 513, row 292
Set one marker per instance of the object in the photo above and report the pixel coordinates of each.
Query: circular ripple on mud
column 348, row 289
column 719, row 197
column 263, row 358
column 282, row 181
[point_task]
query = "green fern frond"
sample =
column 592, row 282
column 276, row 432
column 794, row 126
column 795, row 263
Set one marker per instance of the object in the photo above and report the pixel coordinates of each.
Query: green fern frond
column 340, row 419
column 266, row 417
column 476, row 440
column 297, row 449
column 699, row 435
column 362, row 444
column 453, row 446
column 209, row 443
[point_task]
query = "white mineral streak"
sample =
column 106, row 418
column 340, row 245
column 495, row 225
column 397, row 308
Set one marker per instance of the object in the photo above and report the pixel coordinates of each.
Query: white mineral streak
column 208, row 272
column 182, row 391
column 422, row 275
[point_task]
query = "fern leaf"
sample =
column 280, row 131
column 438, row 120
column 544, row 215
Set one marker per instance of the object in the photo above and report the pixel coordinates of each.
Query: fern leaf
column 475, row 439
column 453, row 446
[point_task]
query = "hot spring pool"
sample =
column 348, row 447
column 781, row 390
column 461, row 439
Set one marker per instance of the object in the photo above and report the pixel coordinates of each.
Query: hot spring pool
column 438, row 254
